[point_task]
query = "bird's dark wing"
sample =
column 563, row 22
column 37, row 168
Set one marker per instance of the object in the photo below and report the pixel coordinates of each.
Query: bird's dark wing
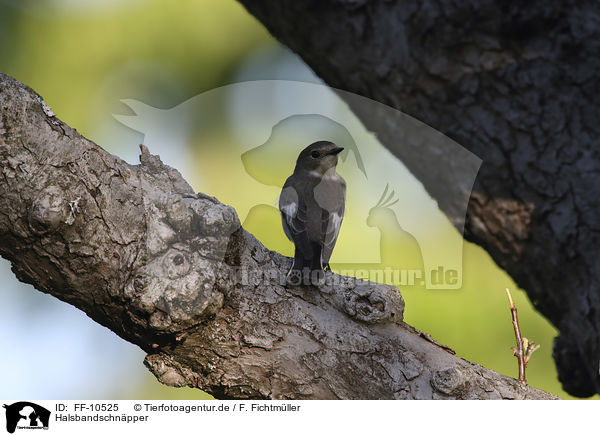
column 331, row 196
column 294, row 219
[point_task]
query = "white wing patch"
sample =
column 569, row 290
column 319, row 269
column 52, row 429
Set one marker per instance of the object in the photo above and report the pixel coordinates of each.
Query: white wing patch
column 288, row 205
column 290, row 209
column 333, row 227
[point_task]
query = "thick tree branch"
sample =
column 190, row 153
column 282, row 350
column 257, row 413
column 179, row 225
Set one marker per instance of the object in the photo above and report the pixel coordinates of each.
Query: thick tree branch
column 136, row 249
column 516, row 84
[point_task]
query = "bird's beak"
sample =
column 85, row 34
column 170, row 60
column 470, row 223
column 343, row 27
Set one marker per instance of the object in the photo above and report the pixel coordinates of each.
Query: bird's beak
column 336, row 150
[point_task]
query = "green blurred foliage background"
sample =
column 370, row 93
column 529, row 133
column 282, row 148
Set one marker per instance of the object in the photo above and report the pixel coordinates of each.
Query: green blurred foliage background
column 84, row 57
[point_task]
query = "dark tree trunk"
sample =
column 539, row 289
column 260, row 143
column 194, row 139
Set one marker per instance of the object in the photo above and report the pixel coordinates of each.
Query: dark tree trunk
column 516, row 84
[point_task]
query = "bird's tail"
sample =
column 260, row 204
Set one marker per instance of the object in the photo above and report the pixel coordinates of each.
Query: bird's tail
column 307, row 271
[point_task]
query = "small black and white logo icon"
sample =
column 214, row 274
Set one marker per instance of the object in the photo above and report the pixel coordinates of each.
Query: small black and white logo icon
column 26, row 415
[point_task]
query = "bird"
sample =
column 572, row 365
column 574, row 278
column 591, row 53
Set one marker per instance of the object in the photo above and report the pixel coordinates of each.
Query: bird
column 312, row 206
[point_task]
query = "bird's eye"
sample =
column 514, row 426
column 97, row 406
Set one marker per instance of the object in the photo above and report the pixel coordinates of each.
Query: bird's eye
column 315, row 154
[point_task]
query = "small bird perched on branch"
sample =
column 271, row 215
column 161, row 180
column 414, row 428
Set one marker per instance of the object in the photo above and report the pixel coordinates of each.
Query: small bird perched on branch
column 312, row 208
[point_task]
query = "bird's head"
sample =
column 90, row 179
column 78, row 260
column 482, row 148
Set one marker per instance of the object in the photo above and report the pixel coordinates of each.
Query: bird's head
column 381, row 213
column 320, row 156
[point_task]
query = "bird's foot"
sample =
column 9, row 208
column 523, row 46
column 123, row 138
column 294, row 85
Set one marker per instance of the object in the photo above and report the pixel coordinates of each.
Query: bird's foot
column 294, row 278
column 305, row 277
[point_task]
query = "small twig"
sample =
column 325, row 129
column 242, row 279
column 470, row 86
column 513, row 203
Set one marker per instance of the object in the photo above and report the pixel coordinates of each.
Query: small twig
column 518, row 352
column 525, row 347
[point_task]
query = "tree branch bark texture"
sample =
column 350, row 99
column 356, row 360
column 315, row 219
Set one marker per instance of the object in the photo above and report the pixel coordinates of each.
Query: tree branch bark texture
column 517, row 85
column 139, row 252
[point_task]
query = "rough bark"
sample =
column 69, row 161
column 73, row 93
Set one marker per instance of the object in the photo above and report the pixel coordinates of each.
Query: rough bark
column 142, row 254
column 517, row 85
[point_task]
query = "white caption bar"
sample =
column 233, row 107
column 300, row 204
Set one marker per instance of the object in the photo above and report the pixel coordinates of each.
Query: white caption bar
column 274, row 417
